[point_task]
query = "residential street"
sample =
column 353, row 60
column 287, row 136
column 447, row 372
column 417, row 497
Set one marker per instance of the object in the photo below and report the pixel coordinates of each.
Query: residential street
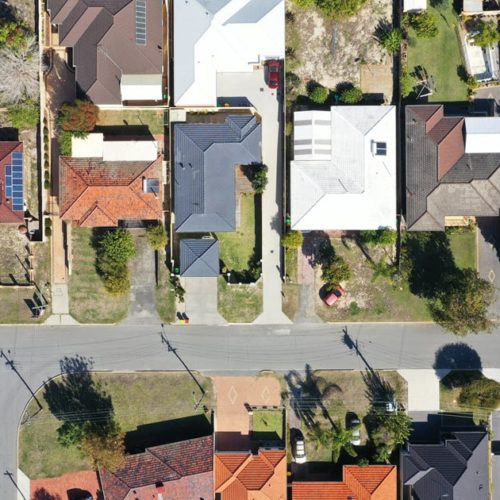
column 37, row 350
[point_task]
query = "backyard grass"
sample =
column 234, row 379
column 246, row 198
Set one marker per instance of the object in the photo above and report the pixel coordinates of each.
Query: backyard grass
column 366, row 299
column 267, row 425
column 165, row 297
column 239, row 303
column 441, row 56
column 89, row 302
column 238, row 247
column 154, row 119
column 463, row 246
column 353, row 395
column 151, row 408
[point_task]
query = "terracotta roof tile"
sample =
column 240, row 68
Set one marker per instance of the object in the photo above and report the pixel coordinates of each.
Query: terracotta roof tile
column 321, row 491
column 7, row 214
column 94, row 193
column 185, row 467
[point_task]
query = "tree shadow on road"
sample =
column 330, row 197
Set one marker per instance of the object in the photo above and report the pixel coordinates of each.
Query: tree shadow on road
column 457, row 356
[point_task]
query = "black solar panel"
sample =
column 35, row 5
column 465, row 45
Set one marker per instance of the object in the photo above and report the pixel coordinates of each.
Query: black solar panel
column 140, row 22
column 14, row 181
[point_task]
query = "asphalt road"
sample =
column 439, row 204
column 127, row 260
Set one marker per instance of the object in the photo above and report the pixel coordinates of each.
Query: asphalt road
column 37, row 350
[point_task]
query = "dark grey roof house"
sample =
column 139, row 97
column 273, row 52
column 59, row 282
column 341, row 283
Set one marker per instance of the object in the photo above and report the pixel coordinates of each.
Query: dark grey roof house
column 116, row 47
column 199, row 257
column 452, row 167
column 205, row 157
column 455, row 469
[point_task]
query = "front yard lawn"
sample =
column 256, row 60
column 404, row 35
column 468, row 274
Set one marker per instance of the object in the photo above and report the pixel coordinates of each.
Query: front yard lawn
column 267, row 425
column 369, row 299
column 350, row 392
column 238, row 247
column 154, row 119
column 463, row 246
column 165, row 296
column 89, row 302
column 441, row 56
column 151, row 408
column 239, row 303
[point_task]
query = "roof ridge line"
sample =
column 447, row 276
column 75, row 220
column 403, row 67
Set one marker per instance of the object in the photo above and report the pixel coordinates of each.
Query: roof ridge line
column 148, row 450
column 482, row 197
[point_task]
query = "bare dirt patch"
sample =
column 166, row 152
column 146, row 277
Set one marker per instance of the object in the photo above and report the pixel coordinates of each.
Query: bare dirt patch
column 332, row 52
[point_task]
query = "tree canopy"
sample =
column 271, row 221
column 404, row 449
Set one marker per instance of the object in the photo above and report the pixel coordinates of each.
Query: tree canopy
column 79, row 116
column 157, row 236
column 336, row 271
column 481, row 393
column 488, row 34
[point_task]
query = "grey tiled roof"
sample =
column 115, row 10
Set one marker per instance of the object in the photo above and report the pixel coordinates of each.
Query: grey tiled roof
column 457, row 467
column 205, row 157
column 429, row 200
column 102, row 35
column 199, row 257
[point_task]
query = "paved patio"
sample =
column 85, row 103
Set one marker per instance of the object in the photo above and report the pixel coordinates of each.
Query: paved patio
column 232, row 425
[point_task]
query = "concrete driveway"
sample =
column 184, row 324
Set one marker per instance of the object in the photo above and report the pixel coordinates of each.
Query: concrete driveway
column 488, row 246
column 201, row 301
column 250, row 89
column 423, row 389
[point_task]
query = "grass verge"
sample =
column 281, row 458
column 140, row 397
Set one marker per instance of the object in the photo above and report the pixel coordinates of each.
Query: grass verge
column 148, row 406
column 444, row 64
column 89, row 302
column 165, row 296
column 239, row 303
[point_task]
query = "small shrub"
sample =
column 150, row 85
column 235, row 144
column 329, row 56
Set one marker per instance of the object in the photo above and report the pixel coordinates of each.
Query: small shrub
column 48, row 222
column 391, row 40
column 46, row 184
column 378, row 237
column 335, row 272
column 157, row 236
column 488, row 34
column 406, row 83
column 12, row 34
column 24, row 115
column 352, row 95
column 354, row 309
column 318, row 94
column 48, row 227
column 292, row 239
column 46, row 164
column 46, row 176
column 64, row 141
column 305, row 4
column 117, row 283
column 340, row 9
column 259, row 179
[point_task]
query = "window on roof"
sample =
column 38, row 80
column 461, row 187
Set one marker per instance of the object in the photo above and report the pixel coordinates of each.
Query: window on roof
column 140, row 22
column 380, row 149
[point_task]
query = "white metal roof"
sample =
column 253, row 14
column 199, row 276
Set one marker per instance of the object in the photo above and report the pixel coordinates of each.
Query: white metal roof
column 482, row 135
column 141, row 87
column 472, row 6
column 414, row 5
column 94, row 146
column 354, row 188
column 217, row 36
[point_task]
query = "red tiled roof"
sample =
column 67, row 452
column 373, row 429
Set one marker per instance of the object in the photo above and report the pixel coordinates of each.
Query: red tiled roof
column 94, row 193
column 185, row 467
column 242, row 476
column 374, row 482
column 429, row 114
column 7, row 214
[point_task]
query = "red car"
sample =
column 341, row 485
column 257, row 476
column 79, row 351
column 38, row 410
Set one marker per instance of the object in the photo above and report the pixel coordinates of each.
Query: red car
column 333, row 296
column 273, row 74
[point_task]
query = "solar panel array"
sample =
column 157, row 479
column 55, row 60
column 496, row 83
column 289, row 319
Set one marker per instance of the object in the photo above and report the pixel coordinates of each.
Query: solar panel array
column 140, row 22
column 14, row 181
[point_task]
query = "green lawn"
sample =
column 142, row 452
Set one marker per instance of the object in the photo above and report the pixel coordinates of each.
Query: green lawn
column 151, row 408
column 152, row 118
column 350, row 394
column 239, row 303
column 13, row 300
column 440, row 56
column 88, row 300
column 291, row 263
column 463, row 246
column 267, row 425
column 238, row 247
column 165, row 296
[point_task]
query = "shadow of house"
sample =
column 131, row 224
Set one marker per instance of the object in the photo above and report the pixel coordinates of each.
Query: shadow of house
column 168, row 431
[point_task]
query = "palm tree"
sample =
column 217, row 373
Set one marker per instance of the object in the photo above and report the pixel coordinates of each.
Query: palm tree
column 337, row 438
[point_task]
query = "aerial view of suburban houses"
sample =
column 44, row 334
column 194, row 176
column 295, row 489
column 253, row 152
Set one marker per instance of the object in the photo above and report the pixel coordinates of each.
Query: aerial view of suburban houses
column 250, row 250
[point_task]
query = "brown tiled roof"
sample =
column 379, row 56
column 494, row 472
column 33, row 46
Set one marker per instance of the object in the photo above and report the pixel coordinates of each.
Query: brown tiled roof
column 94, row 193
column 184, row 468
column 373, row 482
column 7, row 214
column 242, row 475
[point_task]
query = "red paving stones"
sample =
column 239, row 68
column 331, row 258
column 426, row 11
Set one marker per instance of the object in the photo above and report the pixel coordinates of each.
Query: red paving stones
column 66, row 487
column 233, row 421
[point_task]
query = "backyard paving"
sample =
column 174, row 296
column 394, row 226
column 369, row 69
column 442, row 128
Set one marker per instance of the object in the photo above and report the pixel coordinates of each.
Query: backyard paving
column 233, row 420
column 332, row 52
column 66, row 486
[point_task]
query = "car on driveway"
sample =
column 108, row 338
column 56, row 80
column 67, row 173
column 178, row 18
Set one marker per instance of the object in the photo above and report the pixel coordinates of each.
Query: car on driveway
column 299, row 447
column 353, row 423
column 331, row 297
column 273, row 74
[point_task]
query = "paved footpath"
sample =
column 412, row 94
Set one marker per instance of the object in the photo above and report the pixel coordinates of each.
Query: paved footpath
column 36, row 351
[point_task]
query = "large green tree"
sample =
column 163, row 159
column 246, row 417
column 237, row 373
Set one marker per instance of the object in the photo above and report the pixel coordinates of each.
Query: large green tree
column 482, row 393
column 488, row 34
column 388, row 431
column 337, row 438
